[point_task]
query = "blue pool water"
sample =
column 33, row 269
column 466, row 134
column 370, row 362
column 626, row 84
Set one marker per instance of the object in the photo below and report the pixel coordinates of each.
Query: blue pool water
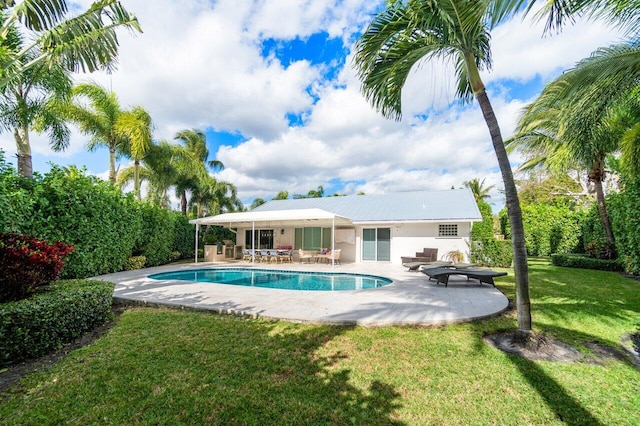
column 286, row 280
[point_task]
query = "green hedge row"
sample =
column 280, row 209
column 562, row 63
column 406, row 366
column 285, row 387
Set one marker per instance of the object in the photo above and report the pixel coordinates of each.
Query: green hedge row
column 585, row 262
column 105, row 226
column 57, row 315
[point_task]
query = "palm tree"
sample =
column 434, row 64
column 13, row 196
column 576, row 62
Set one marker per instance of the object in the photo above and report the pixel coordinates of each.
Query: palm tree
column 577, row 121
column 408, row 32
column 160, row 168
column 134, row 127
column 99, row 119
column 29, row 103
column 257, row 202
column 480, row 192
column 84, row 42
column 195, row 142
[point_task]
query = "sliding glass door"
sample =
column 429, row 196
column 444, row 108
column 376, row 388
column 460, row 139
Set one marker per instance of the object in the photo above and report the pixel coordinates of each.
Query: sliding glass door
column 376, row 244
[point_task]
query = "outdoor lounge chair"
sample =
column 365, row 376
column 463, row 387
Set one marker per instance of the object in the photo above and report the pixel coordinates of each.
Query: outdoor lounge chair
column 414, row 266
column 482, row 275
column 304, row 255
column 330, row 255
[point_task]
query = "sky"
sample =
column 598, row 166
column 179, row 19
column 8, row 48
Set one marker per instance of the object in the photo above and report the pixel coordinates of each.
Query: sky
column 272, row 84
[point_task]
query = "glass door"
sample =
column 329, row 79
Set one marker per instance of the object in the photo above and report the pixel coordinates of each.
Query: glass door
column 376, row 244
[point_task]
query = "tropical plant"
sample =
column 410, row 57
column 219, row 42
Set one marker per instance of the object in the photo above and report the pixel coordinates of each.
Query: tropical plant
column 84, row 42
column 480, row 192
column 257, row 202
column 160, row 168
column 407, row 32
column 282, row 195
column 28, row 102
column 134, row 127
column 577, row 120
column 98, row 119
column 191, row 178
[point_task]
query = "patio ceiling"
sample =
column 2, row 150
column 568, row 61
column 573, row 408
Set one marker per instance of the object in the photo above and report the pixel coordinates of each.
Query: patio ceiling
column 301, row 217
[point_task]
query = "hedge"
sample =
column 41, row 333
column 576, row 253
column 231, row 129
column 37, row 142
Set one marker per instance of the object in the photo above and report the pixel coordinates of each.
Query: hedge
column 56, row 315
column 585, row 262
column 105, row 226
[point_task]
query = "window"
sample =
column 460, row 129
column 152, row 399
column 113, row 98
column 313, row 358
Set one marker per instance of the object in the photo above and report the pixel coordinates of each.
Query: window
column 376, row 244
column 448, row 230
column 263, row 238
column 312, row 238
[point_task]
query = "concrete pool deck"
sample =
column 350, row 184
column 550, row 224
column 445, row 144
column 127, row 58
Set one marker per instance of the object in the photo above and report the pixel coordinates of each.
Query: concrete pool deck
column 410, row 300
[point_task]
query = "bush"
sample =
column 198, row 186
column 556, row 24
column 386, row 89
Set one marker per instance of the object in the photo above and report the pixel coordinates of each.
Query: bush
column 52, row 317
column 86, row 212
column 585, row 262
column 157, row 239
column 184, row 235
column 134, row 263
column 28, row 263
column 482, row 231
column 492, row 253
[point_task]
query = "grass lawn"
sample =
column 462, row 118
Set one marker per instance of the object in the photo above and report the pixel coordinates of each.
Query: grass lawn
column 177, row 367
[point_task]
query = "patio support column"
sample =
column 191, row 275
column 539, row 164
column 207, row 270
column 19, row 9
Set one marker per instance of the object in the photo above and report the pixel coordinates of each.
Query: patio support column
column 253, row 245
column 333, row 241
column 197, row 230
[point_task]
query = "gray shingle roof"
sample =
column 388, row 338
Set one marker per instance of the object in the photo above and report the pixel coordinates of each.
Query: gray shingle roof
column 454, row 204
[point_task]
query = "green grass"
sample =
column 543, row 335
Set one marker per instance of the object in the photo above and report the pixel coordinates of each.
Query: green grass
column 178, row 367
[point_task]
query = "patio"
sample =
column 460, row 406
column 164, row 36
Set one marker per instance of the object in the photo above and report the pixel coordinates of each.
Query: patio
column 410, row 300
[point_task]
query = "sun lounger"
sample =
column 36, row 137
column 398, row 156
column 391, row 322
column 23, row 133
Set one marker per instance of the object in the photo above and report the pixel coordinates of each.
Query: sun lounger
column 413, row 266
column 482, row 275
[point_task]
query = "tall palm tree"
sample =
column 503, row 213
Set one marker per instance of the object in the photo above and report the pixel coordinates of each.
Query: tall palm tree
column 195, row 143
column 408, row 32
column 86, row 41
column 29, row 102
column 135, row 128
column 480, row 192
column 577, row 120
column 99, row 119
column 160, row 168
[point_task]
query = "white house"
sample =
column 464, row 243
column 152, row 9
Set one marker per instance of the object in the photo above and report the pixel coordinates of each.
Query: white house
column 367, row 228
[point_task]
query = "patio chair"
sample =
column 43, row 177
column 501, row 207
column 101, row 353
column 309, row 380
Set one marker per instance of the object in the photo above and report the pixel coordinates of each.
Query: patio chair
column 335, row 255
column 303, row 255
column 246, row 255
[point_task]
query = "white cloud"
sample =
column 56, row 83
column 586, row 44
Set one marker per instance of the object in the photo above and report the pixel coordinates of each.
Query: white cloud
column 200, row 64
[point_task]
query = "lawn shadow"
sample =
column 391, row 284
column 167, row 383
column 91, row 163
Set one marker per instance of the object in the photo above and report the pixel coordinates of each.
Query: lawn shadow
column 201, row 368
column 563, row 298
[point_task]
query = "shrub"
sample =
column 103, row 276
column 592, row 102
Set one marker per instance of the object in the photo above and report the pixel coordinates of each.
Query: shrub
column 28, row 263
column 156, row 240
column 55, row 315
column 94, row 216
column 481, row 231
column 585, row 262
column 135, row 262
column 184, row 235
column 492, row 253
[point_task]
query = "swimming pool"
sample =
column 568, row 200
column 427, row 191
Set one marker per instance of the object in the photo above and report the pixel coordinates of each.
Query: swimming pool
column 286, row 280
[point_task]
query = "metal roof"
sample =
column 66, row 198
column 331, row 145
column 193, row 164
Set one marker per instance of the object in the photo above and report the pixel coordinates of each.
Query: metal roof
column 448, row 205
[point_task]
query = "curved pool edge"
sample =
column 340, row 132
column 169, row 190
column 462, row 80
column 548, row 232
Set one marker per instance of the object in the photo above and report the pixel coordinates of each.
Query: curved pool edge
column 174, row 275
column 410, row 300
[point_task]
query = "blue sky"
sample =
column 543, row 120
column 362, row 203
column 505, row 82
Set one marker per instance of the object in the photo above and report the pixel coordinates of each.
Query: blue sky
column 272, row 84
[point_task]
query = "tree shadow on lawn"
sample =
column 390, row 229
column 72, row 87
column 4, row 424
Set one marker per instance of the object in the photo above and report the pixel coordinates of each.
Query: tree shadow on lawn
column 556, row 295
column 198, row 368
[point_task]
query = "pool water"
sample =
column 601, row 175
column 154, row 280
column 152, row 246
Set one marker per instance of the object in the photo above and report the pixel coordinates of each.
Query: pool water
column 287, row 280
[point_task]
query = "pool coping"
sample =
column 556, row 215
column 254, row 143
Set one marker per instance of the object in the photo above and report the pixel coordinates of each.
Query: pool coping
column 410, row 300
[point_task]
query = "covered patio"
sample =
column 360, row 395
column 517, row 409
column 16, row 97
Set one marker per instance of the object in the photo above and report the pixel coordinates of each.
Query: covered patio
column 289, row 219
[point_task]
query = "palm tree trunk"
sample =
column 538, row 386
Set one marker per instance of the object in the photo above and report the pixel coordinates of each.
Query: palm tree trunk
column 521, row 269
column 136, row 179
column 604, row 215
column 112, row 165
column 25, row 166
column 183, row 203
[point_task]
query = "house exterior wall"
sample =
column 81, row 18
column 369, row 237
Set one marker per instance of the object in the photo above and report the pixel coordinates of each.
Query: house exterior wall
column 409, row 238
column 406, row 240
